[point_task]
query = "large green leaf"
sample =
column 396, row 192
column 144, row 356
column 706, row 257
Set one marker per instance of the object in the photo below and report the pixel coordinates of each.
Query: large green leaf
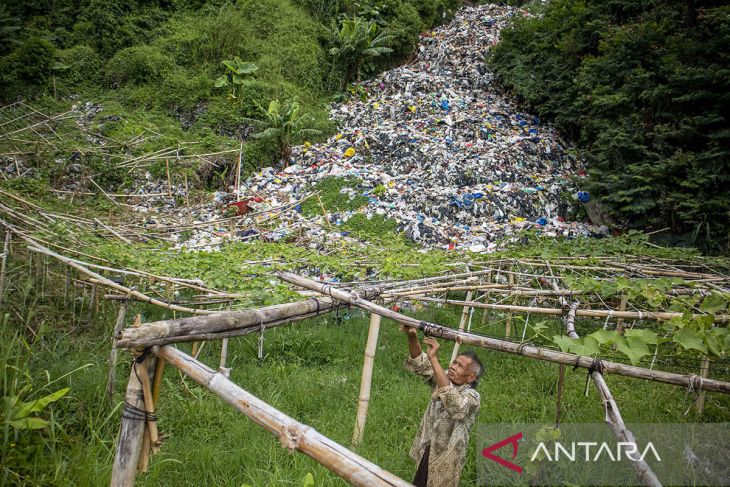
column 690, row 340
column 563, row 342
column 646, row 336
column 28, row 423
column 633, row 348
column 38, row 405
column 713, row 303
column 605, row 337
column 587, row 346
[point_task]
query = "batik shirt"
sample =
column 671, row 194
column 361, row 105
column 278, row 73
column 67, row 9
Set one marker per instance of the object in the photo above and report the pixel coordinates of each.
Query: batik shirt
column 445, row 426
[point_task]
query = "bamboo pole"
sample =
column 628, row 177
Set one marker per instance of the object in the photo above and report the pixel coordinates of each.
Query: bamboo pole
column 112, row 231
column 324, row 212
column 591, row 313
column 293, row 435
column 131, row 430
column 92, row 306
column 151, row 438
column 224, row 356
column 169, row 182
column 485, row 311
column 523, row 349
column 365, row 382
column 118, row 325
column 462, row 322
column 620, row 321
column 508, row 324
column 612, row 414
column 704, row 372
column 4, row 262
column 226, row 325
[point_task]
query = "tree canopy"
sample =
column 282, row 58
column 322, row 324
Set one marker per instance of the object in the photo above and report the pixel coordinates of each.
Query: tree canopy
column 644, row 88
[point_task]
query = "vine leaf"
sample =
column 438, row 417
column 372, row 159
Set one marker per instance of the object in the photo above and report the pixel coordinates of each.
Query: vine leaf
column 713, row 303
column 605, row 337
column 646, row 336
column 633, row 348
column 563, row 342
column 690, row 340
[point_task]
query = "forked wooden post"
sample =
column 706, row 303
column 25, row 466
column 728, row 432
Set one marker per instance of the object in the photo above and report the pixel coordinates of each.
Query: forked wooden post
column 367, row 376
column 462, row 322
column 132, row 428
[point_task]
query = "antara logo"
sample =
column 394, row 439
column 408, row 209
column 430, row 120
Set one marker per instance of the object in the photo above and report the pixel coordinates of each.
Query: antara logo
column 592, row 452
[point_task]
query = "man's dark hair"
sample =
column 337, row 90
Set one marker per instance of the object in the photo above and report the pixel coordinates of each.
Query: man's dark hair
column 476, row 367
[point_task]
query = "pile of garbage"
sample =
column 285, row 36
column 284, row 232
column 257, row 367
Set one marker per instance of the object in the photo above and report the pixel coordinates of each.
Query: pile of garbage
column 436, row 146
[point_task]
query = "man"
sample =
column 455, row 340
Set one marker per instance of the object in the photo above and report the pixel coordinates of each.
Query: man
column 441, row 442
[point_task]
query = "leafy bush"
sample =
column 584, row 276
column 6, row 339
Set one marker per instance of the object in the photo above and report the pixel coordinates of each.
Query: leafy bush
column 643, row 91
column 84, row 64
column 32, row 61
column 138, row 65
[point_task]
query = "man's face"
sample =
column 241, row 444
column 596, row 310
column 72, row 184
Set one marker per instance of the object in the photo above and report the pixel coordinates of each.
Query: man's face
column 460, row 371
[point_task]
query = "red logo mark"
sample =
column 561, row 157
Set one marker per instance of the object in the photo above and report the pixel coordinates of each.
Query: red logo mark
column 512, row 440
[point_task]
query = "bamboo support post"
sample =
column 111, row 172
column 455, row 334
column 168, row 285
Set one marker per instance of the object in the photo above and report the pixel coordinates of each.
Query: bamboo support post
column 169, row 182
column 365, row 382
column 704, row 372
column 293, row 435
column 131, row 430
column 92, row 306
column 4, row 262
column 118, row 325
column 439, row 331
column 462, row 322
column 620, row 321
column 224, row 356
column 151, row 438
column 508, row 323
column 559, row 400
column 485, row 311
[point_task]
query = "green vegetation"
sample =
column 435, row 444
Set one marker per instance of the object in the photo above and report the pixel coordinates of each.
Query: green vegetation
column 642, row 87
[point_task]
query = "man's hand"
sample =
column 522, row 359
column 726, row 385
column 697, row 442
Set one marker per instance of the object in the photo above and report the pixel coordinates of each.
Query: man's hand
column 409, row 329
column 433, row 347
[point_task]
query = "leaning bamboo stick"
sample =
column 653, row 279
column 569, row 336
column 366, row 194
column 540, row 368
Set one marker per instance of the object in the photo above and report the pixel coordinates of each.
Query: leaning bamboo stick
column 118, row 325
column 131, row 432
column 367, row 377
column 112, row 231
column 591, row 313
column 704, row 372
column 523, row 349
column 462, row 322
column 616, row 423
column 293, row 435
column 612, row 414
column 4, row 262
column 225, row 325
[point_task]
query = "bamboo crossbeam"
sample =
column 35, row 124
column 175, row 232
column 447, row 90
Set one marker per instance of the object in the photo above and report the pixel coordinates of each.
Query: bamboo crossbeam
column 112, row 231
column 293, row 434
column 226, row 324
column 589, row 313
column 523, row 349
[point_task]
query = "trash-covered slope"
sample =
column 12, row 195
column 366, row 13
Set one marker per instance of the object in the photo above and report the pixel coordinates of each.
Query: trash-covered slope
column 438, row 148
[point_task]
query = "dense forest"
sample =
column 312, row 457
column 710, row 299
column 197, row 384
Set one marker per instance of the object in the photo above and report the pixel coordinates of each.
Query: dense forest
column 643, row 87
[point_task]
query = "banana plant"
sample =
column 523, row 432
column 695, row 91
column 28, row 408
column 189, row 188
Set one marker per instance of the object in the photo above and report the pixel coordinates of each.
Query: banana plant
column 236, row 76
column 284, row 123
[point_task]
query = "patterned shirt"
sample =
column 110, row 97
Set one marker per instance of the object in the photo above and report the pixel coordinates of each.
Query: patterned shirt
column 445, row 426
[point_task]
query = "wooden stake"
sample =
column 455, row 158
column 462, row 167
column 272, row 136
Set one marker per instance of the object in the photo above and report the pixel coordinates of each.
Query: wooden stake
column 118, row 325
column 485, row 311
column 367, row 376
column 151, row 439
column 4, row 262
column 112, row 231
column 324, row 212
column 704, row 372
column 92, row 306
column 620, row 321
column 169, row 183
column 464, row 316
column 293, row 435
column 187, row 191
column 559, row 405
column 224, row 356
column 238, row 174
column 508, row 325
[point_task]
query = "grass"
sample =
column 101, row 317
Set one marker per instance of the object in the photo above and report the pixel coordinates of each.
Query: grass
column 311, row 372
